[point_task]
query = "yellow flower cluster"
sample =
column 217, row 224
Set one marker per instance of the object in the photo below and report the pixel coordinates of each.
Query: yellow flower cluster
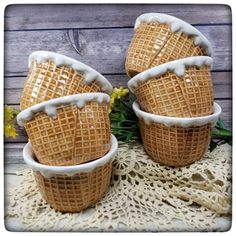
column 117, row 94
column 9, row 131
column 9, row 122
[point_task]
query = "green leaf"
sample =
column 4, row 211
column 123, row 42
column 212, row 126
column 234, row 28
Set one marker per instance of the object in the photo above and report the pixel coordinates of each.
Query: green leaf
column 124, row 123
column 221, row 133
column 220, row 124
column 213, row 145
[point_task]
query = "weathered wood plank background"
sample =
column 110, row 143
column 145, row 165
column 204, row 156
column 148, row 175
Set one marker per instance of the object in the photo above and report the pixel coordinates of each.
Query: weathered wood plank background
column 99, row 36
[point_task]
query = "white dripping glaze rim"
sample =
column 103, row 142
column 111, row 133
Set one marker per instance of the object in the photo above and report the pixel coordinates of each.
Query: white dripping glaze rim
column 49, row 171
column 50, row 106
column 177, row 67
column 177, row 25
column 178, row 121
column 89, row 73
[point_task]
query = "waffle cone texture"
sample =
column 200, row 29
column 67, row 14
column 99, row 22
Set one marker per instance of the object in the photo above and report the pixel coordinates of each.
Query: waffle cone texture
column 72, row 188
column 171, row 95
column 154, row 44
column 46, row 81
column 76, row 135
column 175, row 142
column 175, row 146
column 75, row 193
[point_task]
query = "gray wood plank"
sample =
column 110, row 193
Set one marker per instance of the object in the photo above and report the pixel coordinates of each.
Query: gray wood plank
column 226, row 116
column 13, row 153
column 103, row 49
column 20, row 17
column 222, row 82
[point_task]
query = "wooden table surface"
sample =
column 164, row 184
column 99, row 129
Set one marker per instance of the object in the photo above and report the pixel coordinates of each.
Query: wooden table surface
column 99, row 36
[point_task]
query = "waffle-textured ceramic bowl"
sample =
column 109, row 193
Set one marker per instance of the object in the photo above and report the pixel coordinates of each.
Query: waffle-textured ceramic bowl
column 160, row 38
column 181, row 88
column 69, row 130
column 52, row 75
column 72, row 188
column 175, row 141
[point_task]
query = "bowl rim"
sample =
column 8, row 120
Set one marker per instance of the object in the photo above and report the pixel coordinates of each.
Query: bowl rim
column 61, row 60
column 177, row 121
column 49, row 107
column 176, row 24
column 49, row 171
column 176, row 66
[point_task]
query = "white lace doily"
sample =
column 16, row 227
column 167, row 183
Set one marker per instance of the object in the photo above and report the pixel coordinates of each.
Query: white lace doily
column 144, row 196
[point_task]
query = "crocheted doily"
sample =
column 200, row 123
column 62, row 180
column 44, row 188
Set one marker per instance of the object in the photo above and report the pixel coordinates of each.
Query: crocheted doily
column 144, row 196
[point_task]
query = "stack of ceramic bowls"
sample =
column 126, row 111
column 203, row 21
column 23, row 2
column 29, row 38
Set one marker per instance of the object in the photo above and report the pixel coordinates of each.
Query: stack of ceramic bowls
column 170, row 65
column 64, row 109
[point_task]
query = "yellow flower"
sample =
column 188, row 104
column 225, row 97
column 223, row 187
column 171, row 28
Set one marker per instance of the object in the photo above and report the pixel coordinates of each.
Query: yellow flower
column 9, row 131
column 8, row 113
column 117, row 94
column 122, row 92
column 112, row 100
column 10, row 121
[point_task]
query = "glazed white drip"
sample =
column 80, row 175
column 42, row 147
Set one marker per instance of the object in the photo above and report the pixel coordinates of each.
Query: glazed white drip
column 50, row 107
column 88, row 73
column 177, row 25
column 178, row 67
column 50, row 171
column 178, row 121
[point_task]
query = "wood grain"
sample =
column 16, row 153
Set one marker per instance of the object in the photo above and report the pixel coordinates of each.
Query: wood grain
column 103, row 49
column 21, row 17
column 13, row 153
